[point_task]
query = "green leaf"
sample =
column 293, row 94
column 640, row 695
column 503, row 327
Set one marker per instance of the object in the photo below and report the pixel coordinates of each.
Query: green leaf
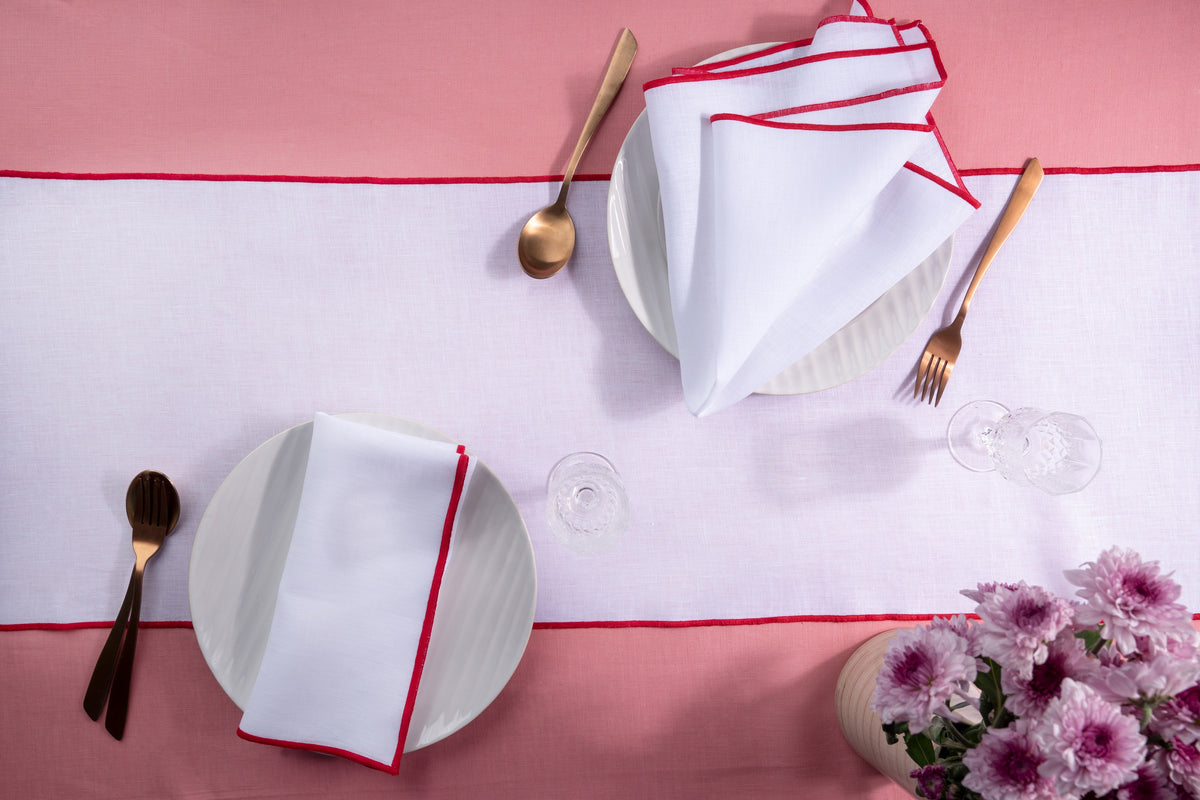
column 986, row 706
column 920, row 749
column 1091, row 639
column 894, row 730
column 991, row 695
column 935, row 732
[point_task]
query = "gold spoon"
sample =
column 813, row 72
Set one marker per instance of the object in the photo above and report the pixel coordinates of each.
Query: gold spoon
column 152, row 505
column 548, row 237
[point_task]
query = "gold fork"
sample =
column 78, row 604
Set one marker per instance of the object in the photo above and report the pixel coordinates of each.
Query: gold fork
column 933, row 372
column 152, row 505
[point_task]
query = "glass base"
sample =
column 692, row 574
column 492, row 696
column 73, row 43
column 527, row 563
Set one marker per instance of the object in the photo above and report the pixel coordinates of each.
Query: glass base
column 969, row 432
column 586, row 505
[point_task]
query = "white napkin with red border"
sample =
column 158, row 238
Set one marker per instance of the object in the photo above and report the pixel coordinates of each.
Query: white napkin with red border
column 798, row 185
column 374, row 531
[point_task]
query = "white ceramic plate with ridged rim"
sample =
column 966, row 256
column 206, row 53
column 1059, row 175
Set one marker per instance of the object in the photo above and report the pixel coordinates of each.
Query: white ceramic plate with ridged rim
column 485, row 607
column 637, row 244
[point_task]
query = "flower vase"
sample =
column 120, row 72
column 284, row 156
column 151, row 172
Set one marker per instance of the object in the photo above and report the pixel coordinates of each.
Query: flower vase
column 861, row 726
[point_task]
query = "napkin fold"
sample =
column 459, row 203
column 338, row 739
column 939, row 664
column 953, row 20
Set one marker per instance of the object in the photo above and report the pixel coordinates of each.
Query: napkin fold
column 354, row 611
column 799, row 183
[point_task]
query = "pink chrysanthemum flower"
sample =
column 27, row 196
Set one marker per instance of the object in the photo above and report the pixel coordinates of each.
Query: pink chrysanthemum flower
column 1066, row 657
column 1090, row 744
column 1132, row 599
column 963, row 627
column 1147, row 785
column 1017, row 624
column 1005, row 765
column 1154, row 679
column 1182, row 765
column 1179, row 717
column 922, row 669
column 982, row 590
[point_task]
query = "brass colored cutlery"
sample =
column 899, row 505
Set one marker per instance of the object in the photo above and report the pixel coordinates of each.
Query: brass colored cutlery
column 548, row 238
column 152, row 505
column 933, row 371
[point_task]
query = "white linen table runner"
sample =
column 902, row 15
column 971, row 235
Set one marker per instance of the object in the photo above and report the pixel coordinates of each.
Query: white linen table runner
column 177, row 324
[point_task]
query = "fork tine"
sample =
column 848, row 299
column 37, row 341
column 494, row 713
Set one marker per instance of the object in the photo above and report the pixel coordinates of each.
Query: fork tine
column 164, row 496
column 945, row 378
column 927, row 388
column 160, row 501
column 147, row 495
column 153, row 509
column 149, row 501
column 927, row 391
column 145, row 508
column 922, row 371
column 935, row 381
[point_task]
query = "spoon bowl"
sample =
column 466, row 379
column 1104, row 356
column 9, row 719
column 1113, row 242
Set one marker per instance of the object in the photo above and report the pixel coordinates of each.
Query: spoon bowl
column 548, row 238
column 546, row 241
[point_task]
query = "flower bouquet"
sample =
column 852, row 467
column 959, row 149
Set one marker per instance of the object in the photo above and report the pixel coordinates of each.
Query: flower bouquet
column 1044, row 698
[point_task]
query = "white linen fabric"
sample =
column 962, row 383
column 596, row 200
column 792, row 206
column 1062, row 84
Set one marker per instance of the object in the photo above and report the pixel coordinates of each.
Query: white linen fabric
column 798, row 185
column 177, row 324
column 373, row 532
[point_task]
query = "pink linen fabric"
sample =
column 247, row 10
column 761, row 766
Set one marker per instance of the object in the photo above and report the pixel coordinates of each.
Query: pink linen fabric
column 304, row 88
column 725, row 711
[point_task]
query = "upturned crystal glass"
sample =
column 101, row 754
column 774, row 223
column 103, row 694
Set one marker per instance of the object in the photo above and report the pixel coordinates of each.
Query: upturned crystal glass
column 1054, row 451
column 586, row 503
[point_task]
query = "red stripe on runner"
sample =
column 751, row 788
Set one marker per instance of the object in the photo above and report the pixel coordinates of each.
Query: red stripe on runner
column 72, row 626
column 1087, row 170
column 364, row 179
column 510, row 179
column 579, row 624
column 719, row 622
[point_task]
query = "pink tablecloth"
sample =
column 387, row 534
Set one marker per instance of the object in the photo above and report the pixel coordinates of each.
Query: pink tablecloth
column 426, row 100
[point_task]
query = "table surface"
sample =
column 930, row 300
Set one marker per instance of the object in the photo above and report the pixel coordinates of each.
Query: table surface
column 371, row 163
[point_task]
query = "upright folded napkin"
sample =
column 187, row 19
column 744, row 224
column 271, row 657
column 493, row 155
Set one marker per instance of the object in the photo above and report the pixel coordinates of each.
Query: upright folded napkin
column 374, row 530
column 799, row 183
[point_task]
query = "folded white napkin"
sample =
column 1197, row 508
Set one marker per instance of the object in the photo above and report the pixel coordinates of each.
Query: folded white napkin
column 798, row 185
column 374, row 530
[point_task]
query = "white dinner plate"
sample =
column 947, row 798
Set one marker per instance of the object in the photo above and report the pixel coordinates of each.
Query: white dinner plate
column 485, row 608
column 637, row 243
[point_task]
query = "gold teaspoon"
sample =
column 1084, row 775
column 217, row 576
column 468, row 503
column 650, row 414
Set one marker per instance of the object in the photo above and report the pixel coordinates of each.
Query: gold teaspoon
column 548, row 238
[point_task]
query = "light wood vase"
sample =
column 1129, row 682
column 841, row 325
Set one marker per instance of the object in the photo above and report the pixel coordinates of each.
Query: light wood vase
column 859, row 723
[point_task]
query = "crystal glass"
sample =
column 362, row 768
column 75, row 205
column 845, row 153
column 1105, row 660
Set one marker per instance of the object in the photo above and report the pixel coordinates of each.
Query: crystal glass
column 586, row 503
column 1056, row 452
